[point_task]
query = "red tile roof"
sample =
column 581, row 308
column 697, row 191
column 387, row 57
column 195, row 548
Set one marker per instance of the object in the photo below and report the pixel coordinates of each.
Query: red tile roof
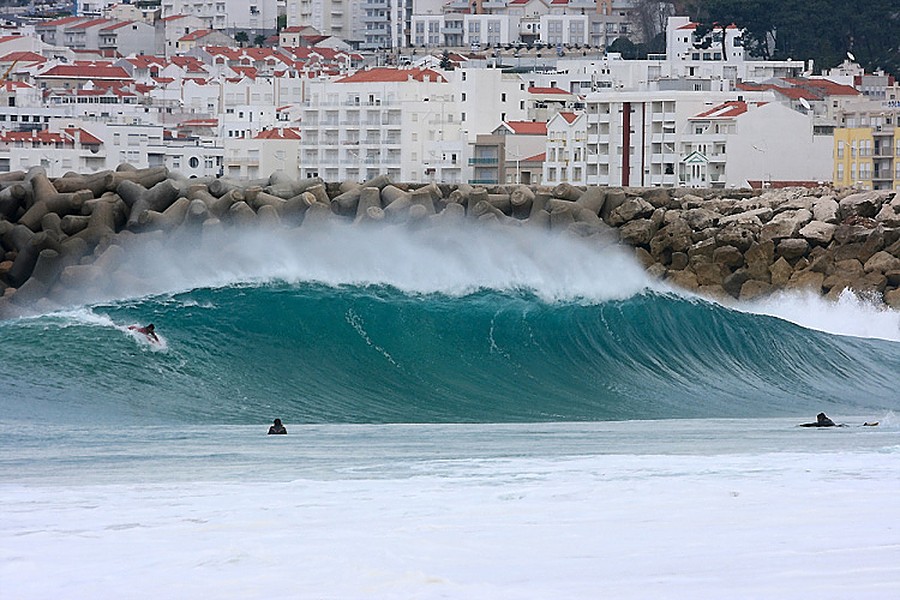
column 83, row 136
column 60, row 22
column 728, row 110
column 67, row 137
column 386, row 75
column 91, row 23
column 548, row 90
column 287, row 133
column 23, row 57
column 195, row 35
column 536, row 158
column 81, row 70
column 528, row 127
column 9, row 85
column 825, row 86
column 569, row 116
column 118, row 25
column 695, row 25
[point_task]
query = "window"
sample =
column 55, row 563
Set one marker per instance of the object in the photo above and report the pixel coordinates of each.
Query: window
column 194, row 162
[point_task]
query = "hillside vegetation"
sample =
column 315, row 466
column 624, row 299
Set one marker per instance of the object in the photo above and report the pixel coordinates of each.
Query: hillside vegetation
column 822, row 30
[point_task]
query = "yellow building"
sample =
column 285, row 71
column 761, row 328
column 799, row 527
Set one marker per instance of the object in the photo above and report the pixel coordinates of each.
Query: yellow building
column 867, row 156
column 853, row 157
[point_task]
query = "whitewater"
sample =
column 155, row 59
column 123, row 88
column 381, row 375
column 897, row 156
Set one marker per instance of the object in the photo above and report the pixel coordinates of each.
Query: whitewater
column 472, row 413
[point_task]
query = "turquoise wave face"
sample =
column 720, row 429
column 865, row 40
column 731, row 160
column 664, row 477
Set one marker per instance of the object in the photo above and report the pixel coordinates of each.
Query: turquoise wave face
column 318, row 353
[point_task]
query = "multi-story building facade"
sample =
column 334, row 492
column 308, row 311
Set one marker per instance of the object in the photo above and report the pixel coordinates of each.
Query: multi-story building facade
column 713, row 139
column 271, row 151
column 867, row 144
column 491, row 22
column 255, row 17
column 340, row 18
column 398, row 122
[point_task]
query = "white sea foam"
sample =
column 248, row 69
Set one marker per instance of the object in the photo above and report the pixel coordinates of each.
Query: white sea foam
column 759, row 510
column 449, row 260
column 850, row 315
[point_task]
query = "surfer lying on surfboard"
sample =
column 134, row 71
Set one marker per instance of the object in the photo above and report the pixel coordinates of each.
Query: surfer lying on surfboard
column 149, row 331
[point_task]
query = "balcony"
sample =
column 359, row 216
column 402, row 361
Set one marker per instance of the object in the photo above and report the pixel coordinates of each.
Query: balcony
column 486, row 160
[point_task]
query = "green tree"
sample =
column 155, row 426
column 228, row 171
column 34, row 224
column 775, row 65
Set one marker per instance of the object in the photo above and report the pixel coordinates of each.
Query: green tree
column 241, row 37
column 446, row 63
column 625, row 47
column 259, row 40
column 823, row 30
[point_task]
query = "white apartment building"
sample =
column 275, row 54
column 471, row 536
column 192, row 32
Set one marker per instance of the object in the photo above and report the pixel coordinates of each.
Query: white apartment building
column 632, row 137
column 686, row 139
column 398, row 122
column 685, row 60
column 129, row 37
column 493, row 22
column 566, row 148
column 174, row 27
column 94, row 8
column 252, row 16
column 270, row 151
column 340, row 18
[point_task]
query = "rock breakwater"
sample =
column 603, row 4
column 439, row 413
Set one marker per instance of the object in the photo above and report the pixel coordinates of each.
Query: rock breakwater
column 71, row 233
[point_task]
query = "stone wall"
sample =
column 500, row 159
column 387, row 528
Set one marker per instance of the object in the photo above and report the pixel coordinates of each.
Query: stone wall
column 72, row 232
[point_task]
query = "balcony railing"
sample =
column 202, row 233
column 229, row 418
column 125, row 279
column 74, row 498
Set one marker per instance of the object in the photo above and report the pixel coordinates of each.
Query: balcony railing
column 484, row 161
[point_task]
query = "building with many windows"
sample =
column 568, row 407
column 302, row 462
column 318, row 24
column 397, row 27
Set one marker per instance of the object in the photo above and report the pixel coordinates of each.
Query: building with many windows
column 867, row 145
column 255, row 17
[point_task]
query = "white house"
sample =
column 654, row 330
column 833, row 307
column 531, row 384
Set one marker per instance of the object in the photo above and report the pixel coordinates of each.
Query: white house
column 737, row 142
column 566, row 158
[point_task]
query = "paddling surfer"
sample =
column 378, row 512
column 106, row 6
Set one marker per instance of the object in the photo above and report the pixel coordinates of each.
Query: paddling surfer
column 277, row 428
column 822, row 420
column 149, row 331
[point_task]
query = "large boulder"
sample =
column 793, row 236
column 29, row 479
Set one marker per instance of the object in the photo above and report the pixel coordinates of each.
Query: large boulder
column 882, row 262
column 738, row 234
column 863, row 204
column 806, row 280
column 728, row 256
column 631, row 208
column 758, row 258
column 792, row 248
column 889, row 215
column 638, row 232
column 780, row 272
column 818, row 232
column 701, row 218
column 674, row 237
column 826, row 209
column 785, row 225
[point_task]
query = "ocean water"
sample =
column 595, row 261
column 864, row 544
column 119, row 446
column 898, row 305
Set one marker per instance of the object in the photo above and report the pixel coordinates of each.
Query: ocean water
column 472, row 413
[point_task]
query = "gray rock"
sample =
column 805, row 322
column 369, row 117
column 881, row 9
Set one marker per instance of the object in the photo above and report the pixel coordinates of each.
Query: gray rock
column 818, row 232
column 882, row 262
column 793, row 248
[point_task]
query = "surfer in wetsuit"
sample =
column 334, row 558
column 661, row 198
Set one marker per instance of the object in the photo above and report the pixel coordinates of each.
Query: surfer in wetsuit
column 277, row 428
column 149, row 331
column 822, row 420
